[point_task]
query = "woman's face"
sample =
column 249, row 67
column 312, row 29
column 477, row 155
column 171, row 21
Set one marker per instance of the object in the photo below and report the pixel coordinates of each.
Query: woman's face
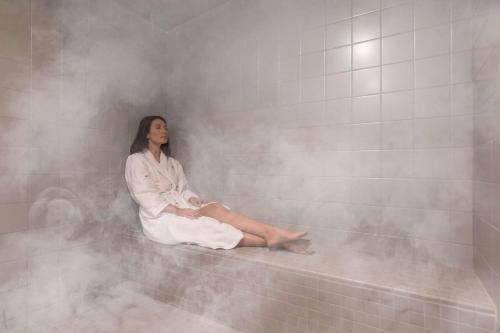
column 158, row 133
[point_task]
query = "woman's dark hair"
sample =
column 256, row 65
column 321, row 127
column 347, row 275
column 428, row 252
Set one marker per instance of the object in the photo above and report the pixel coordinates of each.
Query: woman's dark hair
column 141, row 138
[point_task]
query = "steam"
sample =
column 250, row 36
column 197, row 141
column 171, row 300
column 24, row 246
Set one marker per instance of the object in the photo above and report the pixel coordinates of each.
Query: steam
column 99, row 73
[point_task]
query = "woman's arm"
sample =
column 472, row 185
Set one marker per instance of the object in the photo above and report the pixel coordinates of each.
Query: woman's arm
column 184, row 190
column 185, row 212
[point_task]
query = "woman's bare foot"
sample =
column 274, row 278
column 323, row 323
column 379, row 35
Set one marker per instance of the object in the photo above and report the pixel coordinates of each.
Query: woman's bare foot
column 299, row 246
column 279, row 236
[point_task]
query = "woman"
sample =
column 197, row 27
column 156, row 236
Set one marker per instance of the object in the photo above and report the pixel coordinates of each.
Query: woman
column 171, row 214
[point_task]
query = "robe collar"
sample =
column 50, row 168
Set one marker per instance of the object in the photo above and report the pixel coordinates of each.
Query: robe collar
column 162, row 167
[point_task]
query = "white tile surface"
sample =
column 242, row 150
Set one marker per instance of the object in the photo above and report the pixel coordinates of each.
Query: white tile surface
column 338, row 34
column 397, row 48
column 397, row 163
column 397, row 105
column 366, row 27
column 364, row 6
column 337, row 10
column 397, row 19
column 366, row 109
column 366, row 54
column 431, row 12
column 397, row 76
column 432, row 71
column 432, row 133
column 338, row 111
column 397, row 134
column 462, row 99
column 432, row 102
column 461, row 67
column 366, row 81
column 432, row 41
column 313, row 40
column 313, row 64
column 338, row 60
column 313, row 89
column 338, row 85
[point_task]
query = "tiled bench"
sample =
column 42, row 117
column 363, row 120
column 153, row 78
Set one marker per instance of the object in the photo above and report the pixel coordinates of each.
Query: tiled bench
column 256, row 290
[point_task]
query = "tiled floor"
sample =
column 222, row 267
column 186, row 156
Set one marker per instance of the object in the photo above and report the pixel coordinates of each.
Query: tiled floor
column 423, row 279
column 122, row 310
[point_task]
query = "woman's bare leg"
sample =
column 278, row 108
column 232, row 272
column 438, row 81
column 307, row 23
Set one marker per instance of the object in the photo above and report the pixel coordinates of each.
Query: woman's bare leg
column 252, row 240
column 273, row 236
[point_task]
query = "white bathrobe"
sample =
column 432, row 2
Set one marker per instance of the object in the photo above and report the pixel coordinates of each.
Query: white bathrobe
column 154, row 186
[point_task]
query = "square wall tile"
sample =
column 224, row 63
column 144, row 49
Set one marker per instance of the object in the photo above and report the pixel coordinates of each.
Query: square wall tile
column 461, row 67
column 432, row 71
column 461, row 195
column 432, row 163
column 289, row 69
column 366, row 163
column 289, row 93
column 15, row 75
column 397, row 19
column 338, row 111
column 366, row 54
column 463, row 34
column 461, row 227
column 397, row 134
column 16, row 44
column 432, row 41
column 338, row 60
column 313, row 64
column 431, row 12
column 397, row 76
column 338, row 34
column 313, row 89
column 337, row 10
column 13, row 189
column 366, row 109
column 462, row 132
column 392, row 3
column 338, row 85
column 462, row 9
column 462, row 99
column 366, row 81
column 364, row 6
column 312, row 13
column 289, row 43
column 397, row 105
column 432, row 102
column 397, row 163
column 313, row 40
column 14, row 217
column 397, row 48
column 366, row 27
column 462, row 163
column 432, row 132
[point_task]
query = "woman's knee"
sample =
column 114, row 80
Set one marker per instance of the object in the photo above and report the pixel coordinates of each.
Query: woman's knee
column 213, row 209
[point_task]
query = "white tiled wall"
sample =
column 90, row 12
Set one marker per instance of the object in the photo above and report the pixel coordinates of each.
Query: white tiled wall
column 358, row 102
column 486, row 75
column 72, row 76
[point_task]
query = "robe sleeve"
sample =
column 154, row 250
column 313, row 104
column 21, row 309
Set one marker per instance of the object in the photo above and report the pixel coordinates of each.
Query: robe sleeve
column 184, row 190
column 144, row 188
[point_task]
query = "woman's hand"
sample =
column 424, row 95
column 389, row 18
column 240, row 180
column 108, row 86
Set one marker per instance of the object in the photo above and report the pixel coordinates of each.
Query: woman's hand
column 188, row 212
column 195, row 201
column 185, row 212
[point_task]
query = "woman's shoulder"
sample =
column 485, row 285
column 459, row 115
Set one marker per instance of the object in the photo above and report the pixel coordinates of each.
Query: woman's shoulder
column 135, row 158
